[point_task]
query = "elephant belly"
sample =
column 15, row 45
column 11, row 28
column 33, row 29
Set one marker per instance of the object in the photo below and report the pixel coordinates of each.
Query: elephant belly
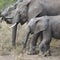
column 56, row 30
column 56, row 35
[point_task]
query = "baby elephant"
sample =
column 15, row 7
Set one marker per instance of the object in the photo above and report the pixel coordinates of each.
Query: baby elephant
column 46, row 27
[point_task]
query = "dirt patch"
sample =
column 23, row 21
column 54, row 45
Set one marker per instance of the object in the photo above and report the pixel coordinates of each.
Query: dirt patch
column 7, row 57
column 29, row 57
column 37, row 57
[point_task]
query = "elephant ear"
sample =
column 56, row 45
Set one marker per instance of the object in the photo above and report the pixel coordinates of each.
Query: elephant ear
column 41, row 25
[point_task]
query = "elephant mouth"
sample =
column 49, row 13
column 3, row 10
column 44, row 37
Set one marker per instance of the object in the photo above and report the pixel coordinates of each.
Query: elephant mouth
column 8, row 20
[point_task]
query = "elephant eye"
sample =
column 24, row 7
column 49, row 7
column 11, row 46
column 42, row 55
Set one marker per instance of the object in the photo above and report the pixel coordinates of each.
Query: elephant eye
column 37, row 21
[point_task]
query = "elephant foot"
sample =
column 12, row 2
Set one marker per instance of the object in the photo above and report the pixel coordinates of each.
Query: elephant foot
column 41, row 54
column 32, row 52
column 48, row 53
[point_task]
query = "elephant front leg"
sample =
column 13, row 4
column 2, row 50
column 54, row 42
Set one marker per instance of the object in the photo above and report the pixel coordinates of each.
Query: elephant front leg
column 45, row 44
column 41, row 36
column 33, row 42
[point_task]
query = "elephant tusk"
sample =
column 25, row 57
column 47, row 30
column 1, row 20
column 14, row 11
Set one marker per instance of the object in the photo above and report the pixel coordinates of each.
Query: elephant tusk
column 9, row 17
column 13, row 25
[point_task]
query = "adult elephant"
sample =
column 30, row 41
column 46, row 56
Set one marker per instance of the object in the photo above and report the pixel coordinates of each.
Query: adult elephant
column 49, row 26
column 28, row 9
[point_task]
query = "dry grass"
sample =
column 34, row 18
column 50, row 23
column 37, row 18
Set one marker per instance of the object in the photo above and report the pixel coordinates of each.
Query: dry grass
column 6, row 42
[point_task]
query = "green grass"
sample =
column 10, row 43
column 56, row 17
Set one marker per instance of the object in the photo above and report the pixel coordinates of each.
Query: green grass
column 4, row 3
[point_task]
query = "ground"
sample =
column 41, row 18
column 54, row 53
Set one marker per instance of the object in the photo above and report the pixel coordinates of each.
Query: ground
column 36, row 57
column 29, row 57
column 55, row 56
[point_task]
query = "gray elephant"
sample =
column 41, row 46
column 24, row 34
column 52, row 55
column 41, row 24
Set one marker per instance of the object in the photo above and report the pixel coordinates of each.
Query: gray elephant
column 28, row 9
column 49, row 26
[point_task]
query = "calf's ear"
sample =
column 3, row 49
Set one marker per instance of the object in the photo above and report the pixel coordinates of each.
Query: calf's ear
column 41, row 25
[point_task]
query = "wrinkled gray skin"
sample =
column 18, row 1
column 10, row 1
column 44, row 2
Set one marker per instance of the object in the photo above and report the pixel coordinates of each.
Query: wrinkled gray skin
column 28, row 9
column 49, row 26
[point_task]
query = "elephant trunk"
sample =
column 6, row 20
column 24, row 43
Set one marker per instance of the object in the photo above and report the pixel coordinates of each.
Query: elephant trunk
column 26, row 36
column 14, row 31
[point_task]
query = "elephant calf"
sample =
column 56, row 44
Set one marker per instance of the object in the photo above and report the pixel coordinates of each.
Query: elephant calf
column 48, row 27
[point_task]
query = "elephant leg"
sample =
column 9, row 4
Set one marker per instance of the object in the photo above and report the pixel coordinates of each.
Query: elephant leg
column 14, row 31
column 45, row 44
column 41, row 36
column 44, row 48
column 33, row 44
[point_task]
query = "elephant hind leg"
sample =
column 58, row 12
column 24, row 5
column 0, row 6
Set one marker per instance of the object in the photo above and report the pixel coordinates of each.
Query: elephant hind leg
column 45, row 48
column 45, row 43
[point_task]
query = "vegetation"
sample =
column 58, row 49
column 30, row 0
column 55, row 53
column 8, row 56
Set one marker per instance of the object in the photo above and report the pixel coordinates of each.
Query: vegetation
column 4, row 3
column 6, row 47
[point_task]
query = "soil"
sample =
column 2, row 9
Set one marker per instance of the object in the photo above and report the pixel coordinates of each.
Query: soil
column 29, row 57
column 55, row 56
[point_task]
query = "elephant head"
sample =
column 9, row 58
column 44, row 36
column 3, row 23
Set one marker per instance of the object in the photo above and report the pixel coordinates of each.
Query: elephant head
column 12, row 15
column 21, row 12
